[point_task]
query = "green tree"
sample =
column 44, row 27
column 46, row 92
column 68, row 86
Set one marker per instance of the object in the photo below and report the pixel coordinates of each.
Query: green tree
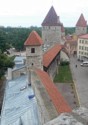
column 5, row 62
column 3, row 45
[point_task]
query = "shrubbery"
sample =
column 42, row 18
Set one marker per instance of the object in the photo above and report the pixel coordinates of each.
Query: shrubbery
column 62, row 63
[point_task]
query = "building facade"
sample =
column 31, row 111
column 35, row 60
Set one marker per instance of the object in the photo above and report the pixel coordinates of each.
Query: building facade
column 52, row 28
column 34, row 51
column 81, row 26
column 82, row 50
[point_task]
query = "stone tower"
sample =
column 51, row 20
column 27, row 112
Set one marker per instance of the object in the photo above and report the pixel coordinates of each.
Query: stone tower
column 51, row 28
column 34, row 51
column 81, row 26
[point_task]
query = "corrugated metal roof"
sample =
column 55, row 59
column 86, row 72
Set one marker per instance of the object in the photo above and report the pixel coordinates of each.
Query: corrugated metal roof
column 17, row 106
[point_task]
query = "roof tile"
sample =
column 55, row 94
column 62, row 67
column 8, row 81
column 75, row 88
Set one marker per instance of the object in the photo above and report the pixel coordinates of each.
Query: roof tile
column 84, row 36
column 81, row 21
column 33, row 39
column 51, row 18
column 56, row 97
column 50, row 54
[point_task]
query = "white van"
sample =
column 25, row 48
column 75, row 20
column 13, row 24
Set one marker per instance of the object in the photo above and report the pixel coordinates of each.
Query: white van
column 85, row 63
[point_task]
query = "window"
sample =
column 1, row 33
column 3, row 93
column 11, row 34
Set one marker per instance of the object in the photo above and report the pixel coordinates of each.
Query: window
column 79, row 47
column 32, row 64
column 80, row 41
column 82, row 47
column 32, row 50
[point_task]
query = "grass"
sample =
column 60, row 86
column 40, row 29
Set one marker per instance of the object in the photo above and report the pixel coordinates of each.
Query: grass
column 64, row 75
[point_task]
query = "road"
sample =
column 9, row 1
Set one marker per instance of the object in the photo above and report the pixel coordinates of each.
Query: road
column 80, row 76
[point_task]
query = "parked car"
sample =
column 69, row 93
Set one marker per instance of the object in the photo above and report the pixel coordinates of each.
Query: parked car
column 85, row 64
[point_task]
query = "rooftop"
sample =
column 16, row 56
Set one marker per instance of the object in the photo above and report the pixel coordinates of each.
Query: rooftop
column 81, row 21
column 33, row 40
column 50, row 54
column 18, row 108
column 56, row 97
column 84, row 36
column 51, row 18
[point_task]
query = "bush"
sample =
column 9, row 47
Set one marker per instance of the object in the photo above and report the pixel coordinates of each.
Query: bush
column 63, row 63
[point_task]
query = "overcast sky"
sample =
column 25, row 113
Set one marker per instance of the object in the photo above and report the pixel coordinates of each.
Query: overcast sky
column 28, row 13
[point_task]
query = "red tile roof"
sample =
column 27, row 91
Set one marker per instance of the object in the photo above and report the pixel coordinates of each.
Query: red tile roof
column 33, row 39
column 81, row 22
column 56, row 97
column 51, row 18
column 50, row 54
column 84, row 36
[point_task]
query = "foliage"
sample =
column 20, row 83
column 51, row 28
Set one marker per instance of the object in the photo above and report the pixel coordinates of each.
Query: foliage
column 3, row 45
column 69, row 30
column 5, row 62
column 62, row 63
column 64, row 75
column 16, row 37
column 12, row 37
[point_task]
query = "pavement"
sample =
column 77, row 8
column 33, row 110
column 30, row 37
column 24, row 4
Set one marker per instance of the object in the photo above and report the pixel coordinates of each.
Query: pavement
column 80, row 77
column 68, row 93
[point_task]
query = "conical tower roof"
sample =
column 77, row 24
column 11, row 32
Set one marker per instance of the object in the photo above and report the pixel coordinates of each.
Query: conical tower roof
column 33, row 39
column 81, row 21
column 51, row 18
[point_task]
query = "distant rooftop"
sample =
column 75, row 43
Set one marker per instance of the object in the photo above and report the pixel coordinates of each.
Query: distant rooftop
column 51, row 18
column 84, row 36
column 81, row 21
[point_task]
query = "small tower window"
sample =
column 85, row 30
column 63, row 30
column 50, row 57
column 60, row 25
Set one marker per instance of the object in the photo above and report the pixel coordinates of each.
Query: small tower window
column 32, row 50
column 32, row 64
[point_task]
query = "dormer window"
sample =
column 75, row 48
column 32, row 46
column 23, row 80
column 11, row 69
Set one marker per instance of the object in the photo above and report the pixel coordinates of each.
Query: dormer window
column 32, row 50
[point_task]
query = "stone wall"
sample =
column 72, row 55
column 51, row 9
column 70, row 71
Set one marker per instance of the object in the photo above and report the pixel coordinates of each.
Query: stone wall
column 52, row 69
column 51, row 34
column 81, row 30
column 46, row 109
column 18, row 72
column 34, row 59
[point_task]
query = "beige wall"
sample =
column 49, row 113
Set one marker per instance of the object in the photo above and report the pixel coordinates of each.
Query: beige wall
column 82, row 49
column 63, row 56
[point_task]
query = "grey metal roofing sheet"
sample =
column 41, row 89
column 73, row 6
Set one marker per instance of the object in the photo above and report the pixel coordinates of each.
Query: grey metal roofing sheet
column 17, row 107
